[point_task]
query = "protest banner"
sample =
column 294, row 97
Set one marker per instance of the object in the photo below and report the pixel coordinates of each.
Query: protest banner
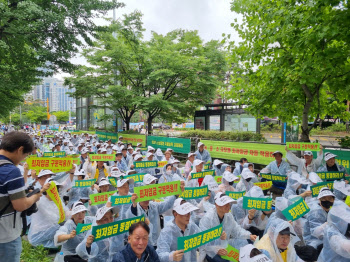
column 84, row 183
column 81, row 228
column 235, row 195
column 256, row 152
column 100, row 198
column 112, row 181
column 257, row 203
column 232, row 254
column 120, row 200
column 102, row 157
column 104, row 136
column 195, row 192
column 155, row 191
column 295, row 211
column 53, row 164
column 138, row 178
column 188, row 243
column 206, row 166
column 49, row 136
column 162, row 163
column 315, row 189
column 179, row 145
column 298, row 146
column 114, row 228
column 331, row 175
column 264, row 185
column 55, row 154
column 133, row 139
column 274, row 177
column 55, row 197
column 145, row 164
column 202, row 174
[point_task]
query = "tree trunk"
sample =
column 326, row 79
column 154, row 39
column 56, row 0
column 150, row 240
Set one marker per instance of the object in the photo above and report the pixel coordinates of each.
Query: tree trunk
column 149, row 123
column 305, row 131
column 127, row 123
column 320, row 124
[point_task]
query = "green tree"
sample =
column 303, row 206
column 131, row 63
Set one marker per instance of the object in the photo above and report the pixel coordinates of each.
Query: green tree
column 36, row 114
column 293, row 59
column 42, row 34
column 62, row 116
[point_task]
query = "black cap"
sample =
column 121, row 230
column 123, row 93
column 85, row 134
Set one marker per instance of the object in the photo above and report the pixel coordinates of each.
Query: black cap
column 286, row 231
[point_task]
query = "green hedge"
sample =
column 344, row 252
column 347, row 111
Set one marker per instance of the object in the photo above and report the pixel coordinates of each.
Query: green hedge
column 225, row 135
column 34, row 254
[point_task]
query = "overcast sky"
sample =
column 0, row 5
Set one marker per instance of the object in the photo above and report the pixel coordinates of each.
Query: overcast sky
column 211, row 18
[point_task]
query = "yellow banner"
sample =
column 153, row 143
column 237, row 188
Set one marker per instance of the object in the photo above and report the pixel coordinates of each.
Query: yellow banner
column 55, row 197
column 58, row 164
column 264, row 185
column 162, row 163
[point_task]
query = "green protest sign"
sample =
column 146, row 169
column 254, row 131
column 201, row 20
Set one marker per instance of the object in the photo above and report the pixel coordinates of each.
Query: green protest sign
column 101, row 135
column 114, row 228
column 81, row 228
column 155, row 191
column 188, row 243
column 133, row 139
column 100, row 198
column 257, row 203
column 120, row 200
column 138, row 178
column 145, row 164
column 315, row 189
column 235, row 195
column 274, row 177
column 55, row 154
column 102, row 157
column 202, row 174
column 84, row 183
column 112, row 181
column 297, row 146
column 104, row 136
column 232, row 254
column 206, row 166
column 298, row 209
column 256, row 152
column 179, row 145
column 49, row 136
column 195, row 192
column 331, row 175
column 218, row 179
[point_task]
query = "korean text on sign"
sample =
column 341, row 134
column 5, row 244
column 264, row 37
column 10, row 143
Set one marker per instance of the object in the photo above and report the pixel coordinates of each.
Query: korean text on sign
column 315, row 189
column 84, row 183
column 138, row 178
column 235, row 195
column 263, row 204
column 156, row 191
column 202, row 174
column 100, row 198
column 120, row 200
column 81, row 228
column 102, row 157
column 274, row 177
column 331, row 175
column 296, row 210
column 146, row 164
column 57, row 164
column 303, row 146
column 195, row 192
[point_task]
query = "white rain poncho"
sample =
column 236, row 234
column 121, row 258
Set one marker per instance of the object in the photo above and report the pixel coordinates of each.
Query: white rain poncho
column 122, row 209
column 204, row 156
column 219, row 171
column 154, row 210
column 341, row 190
column 293, row 183
column 76, row 193
column 241, row 215
column 167, row 242
column 300, row 163
column 236, row 235
column 44, row 224
column 243, row 185
column 268, row 246
column 174, row 176
column 336, row 246
column 69, row 246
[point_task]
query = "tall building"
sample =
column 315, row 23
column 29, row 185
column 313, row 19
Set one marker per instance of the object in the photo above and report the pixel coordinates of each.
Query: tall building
column 54, row 90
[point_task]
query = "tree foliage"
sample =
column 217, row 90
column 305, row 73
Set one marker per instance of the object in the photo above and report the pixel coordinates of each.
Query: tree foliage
column 293, row 59
column 62, row 116
column 167, row 76
column 42, row 34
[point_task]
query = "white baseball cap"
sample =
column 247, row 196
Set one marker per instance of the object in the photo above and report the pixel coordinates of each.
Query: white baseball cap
column 148, row 179
column 190, row 154
column 114, row 168
column 217, row 162
column 325, row 191
column 197, row 162
column 78, row 207
column 115, row 147
column 103, row 182
column 80, row 172
column 102, row 150
column 102, row 211
column 121, row 182
column 221, row 199
column 229, row 177
column 308, row 153
column 328, row 156
column 277, row 152
column 45, row 172
column 200, row 144
column 184, row 208
column 129, row 148
column 138, row 156
column 247, row 174
column 139, row 144
column 149, row 148
column 149, row 154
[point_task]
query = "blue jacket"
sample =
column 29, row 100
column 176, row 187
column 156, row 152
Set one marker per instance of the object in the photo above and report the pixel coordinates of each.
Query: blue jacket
column 128, row 255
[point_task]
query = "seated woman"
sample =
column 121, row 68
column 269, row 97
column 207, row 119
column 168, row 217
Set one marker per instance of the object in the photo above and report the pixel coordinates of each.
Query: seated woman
column 137, row 248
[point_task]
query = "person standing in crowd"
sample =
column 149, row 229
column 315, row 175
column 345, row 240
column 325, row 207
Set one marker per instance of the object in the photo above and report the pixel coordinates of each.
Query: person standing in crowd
column 239, row 166
column 15, row 147
column 203, row 154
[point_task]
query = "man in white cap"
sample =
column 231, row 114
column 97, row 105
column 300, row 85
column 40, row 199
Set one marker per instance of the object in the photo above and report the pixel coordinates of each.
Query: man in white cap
column 119, row 163
column 228, row 180
column 125, row 157
column 137, row 158
column 152, row 210
column 181, row 226
column 307, row 164
column 247, row 180
column 150, row 170
column 220, row 214
column 220, row 167
column 203, row 154
column 331, row 165
column 189, row 163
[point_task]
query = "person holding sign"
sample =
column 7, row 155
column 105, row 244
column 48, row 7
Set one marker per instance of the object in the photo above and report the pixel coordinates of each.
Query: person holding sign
column 307, row 164
column 170, row 174
column 152, row 210
column 220, row 214
column 336, row 240
column 203, row 154
column 75, row 193
column 67, row 235
column 278, row 242
column 103, row 187
column 181, row 226
column 316, row 221
column 294, row 184
column 331, row 164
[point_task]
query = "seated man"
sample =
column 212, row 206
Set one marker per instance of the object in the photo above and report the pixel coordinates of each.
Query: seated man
column 331, row 164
